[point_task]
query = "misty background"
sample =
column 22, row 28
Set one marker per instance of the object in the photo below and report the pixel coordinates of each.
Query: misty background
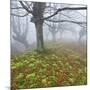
column 64, row 31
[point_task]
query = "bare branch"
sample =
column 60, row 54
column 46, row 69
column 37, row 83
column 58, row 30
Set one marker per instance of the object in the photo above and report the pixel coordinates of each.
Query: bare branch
column 80, row 14
column 66, row 8
column 25, row 7
column 48, row 24
column 66, row 21
column 17, row 8
column 51, row 28
column 19, row 15
column 65, row 15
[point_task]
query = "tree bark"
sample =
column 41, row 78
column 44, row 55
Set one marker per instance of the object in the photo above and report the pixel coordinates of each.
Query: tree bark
column 38, row 11
column 39, row 35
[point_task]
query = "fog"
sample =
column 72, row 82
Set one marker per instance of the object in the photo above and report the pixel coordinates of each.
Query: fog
column 64, row 31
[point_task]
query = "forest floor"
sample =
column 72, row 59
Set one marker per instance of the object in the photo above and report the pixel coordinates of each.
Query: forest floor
column 62, row 64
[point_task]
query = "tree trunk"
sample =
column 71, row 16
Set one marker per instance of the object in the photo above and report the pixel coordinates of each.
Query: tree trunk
column 54, row 37
column 39, row 34
column 38, row 11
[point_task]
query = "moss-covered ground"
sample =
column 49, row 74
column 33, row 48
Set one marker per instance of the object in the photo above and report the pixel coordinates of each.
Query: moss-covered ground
column 62, row 64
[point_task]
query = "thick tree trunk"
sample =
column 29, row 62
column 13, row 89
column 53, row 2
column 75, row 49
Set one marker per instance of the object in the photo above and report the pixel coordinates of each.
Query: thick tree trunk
column 38, row 11
column 39, row 34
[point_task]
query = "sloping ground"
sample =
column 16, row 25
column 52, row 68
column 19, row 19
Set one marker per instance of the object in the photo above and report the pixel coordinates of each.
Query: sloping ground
column 59, row 65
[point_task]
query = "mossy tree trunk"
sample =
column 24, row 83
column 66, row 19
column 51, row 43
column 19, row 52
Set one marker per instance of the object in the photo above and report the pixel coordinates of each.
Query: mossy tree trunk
column 39, row 36
column 38, row 11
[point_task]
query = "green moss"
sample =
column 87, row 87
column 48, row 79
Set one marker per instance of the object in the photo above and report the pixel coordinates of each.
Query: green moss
column 31, row 76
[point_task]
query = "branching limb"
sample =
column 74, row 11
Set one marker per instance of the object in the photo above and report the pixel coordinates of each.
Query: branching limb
column 20, row 15
column 25, row 7
column 57, row 21
column 63, row 9
column 17, row 8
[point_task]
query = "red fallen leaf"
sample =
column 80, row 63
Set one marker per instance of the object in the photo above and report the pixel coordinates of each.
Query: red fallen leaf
column 25, row 69
column 59, row 81
column 61, row 78
column 65, row 73
column 64, row 76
